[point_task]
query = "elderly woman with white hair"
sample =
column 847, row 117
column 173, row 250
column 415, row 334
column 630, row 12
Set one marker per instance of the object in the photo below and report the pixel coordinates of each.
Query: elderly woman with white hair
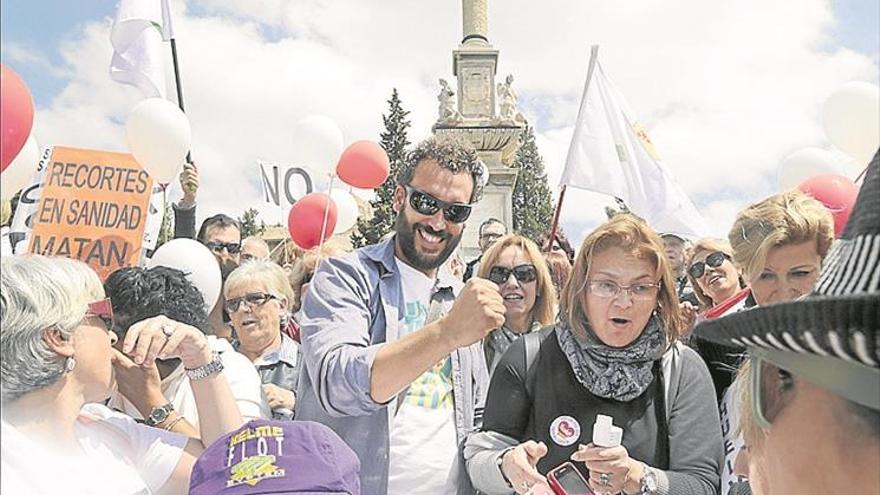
column 258, row 297
column 56, row 369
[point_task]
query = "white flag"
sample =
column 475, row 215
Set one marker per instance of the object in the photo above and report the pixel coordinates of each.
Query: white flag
column 138, row 31
column 611, row 153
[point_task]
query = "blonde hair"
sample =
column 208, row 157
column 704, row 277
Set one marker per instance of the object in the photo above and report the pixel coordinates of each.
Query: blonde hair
column 791, row 217
column 752, row 434
column 711, row 245
column 631, row 234
column 545, row 293
column 268, row 273
column 305, row 267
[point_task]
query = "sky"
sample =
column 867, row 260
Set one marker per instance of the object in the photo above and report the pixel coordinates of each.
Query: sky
column 725, row 89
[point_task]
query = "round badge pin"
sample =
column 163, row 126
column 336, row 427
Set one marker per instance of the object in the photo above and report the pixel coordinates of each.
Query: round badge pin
column 565, row 430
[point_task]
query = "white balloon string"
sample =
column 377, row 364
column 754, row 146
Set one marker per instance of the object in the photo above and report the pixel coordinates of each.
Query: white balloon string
column 326, row 216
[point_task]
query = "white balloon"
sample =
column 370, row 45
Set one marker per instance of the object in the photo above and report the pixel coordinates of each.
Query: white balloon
column 19, row 173
column 851, row 117
column 805, row 163
column 159, row 136
column 197, row 261
column 346, row 210
column 317, row 143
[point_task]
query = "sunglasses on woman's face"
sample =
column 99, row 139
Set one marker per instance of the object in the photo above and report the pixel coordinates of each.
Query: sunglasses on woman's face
column 771, row 389
column 714, row 260
column 102, row 309
column 254, row 299
column 523, row 274
column 428, row 205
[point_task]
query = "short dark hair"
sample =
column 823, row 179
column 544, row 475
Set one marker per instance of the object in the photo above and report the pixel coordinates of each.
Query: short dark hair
column 453, row 154
column 219, row 220
column 490, row 221
column 139, row 293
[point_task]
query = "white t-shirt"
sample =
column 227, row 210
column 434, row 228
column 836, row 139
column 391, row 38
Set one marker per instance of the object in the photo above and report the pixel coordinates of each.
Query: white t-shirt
column 239, row 372
column 120, row 457
column 423, row 444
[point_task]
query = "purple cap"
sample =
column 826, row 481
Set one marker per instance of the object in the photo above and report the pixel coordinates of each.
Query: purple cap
column 277, row 457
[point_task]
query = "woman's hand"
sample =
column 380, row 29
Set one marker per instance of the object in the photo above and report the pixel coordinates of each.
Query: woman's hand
column 279, row 398
column 610, row 468
column 141, row 385
column 688, row 315
column 165, row 338
column 518, row 465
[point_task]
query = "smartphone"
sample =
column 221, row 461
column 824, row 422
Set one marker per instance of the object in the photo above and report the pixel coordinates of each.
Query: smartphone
column 566, row 480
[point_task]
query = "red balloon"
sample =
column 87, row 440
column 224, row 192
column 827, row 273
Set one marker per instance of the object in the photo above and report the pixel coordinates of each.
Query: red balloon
column 364, row 164
column 836, row 192
column 306, row 219
column 16, row 115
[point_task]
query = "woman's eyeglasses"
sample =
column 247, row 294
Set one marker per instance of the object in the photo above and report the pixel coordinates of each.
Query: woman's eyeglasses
column 218, row 247
column 253, row 299
column 425, row 204
column 714, row 260
column 608, row 289
column 102, row 309
column 771, row 387
column 523, row 274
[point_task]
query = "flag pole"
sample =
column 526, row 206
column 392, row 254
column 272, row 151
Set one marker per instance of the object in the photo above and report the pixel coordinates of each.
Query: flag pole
column 179, row 86
column 594, row 54
column 555, row 225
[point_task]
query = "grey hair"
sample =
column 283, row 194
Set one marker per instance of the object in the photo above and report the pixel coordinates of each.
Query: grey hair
column 272, row 276
column 38, row 293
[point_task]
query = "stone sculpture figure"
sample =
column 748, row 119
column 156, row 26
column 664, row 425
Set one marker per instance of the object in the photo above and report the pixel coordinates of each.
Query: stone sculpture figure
column 447, row 111
column 508, row 113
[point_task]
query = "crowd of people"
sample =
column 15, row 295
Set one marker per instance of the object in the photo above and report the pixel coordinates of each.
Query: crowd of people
column 742, row 365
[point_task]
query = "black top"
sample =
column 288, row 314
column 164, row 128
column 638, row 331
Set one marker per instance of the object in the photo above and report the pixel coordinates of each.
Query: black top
column 512, row 411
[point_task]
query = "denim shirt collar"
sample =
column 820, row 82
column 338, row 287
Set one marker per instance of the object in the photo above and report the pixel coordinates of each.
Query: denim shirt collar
column 286, row 353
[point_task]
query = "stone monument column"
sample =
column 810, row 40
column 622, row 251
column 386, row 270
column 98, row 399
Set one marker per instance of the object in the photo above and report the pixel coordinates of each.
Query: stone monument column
column 474, row 117
column 475, row 21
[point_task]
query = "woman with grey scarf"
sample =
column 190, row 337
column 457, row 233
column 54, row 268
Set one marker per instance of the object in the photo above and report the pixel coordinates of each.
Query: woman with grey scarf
column 612, row 352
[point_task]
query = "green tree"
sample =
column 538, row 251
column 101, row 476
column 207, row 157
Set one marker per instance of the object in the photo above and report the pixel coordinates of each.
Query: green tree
column 250, row 224
column 394, row 141
column 532, row 201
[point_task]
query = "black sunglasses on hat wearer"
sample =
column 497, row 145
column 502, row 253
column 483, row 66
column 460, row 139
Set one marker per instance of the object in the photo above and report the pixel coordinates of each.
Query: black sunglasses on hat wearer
column 426, row 204
column 218, row 247
column 523, row 274
column 714, row 260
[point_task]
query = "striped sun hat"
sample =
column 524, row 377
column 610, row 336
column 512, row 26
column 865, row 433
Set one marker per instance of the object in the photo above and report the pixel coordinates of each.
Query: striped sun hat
column 839, row 322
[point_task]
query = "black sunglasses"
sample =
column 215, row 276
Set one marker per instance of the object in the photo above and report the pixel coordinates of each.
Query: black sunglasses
column 218, row 247
column 523, row 274
column 253, row 299
column 426, row 204
column 714, row 260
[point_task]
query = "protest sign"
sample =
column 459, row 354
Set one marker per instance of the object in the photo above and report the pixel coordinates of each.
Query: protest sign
column 294, row 182
column 93, row 207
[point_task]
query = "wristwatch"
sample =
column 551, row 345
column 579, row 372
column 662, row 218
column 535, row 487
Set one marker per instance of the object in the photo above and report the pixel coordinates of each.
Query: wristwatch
column 210, row 369
column 158, row 415
column 649, row 482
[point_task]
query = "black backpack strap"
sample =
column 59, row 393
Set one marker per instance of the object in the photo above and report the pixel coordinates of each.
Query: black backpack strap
column 532, row 343
column 661, row 418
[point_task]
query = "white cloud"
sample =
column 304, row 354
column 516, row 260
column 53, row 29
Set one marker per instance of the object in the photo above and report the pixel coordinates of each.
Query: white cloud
column 725, row 89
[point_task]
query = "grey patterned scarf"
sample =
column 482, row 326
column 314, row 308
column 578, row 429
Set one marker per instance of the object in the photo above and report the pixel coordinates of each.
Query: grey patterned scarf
column 621, row 374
